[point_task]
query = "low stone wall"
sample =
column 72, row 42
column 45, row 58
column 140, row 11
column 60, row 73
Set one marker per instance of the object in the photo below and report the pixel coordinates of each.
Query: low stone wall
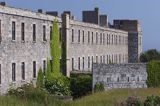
column 120, row 75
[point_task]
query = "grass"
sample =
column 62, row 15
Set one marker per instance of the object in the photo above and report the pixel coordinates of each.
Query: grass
column 108, row 98
column 112, row 97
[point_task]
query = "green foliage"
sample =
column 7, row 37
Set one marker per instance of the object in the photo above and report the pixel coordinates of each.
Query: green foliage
column 152, row 101
column 28, row 91
column 81, row 85
column 28, row 95
column 99, row 87
column 153, row 70
column 55, row 48
column 150, row 55
column 40, row 79
column 55, row 82
column 58, row 86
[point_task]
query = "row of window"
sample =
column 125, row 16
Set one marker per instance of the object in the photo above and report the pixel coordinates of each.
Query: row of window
column 99, row 38
column 23, row 27
column 117, row 58
column 119, row 80
column 23, row 31
column 23, row 71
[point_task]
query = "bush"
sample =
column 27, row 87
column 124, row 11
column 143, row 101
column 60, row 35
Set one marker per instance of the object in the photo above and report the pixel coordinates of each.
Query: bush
column 58, row 86
column 99, row 87
column 28, row 91
column 152, row 101
column 81, row 85
column 153, row 70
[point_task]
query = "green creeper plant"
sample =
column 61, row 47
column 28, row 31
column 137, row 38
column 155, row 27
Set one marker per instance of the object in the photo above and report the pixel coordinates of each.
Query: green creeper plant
column 40, row 78
column 55, row 49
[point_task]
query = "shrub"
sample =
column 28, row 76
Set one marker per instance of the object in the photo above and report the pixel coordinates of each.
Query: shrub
column 99, row 87
column 152, row 101
column 81, row 85
column 153, row 70
column 28, row 91
column 58, row 86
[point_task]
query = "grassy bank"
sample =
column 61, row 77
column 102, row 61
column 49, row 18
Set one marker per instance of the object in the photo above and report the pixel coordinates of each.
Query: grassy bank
column 108, row 98
column 112, row 97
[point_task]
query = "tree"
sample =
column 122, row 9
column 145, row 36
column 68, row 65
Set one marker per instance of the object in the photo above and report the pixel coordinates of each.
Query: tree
column 150, row 55
column 153, row 70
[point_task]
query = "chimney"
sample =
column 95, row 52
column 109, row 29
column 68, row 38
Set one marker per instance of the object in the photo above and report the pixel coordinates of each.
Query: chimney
column 40, row 11
column 3, row 3
column 53, row 13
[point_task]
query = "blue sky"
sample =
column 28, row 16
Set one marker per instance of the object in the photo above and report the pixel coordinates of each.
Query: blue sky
column 147, row 11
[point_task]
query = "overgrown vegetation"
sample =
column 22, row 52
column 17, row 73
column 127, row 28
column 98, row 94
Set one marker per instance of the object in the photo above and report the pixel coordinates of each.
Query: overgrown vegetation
column 99, row 87
column 28, row 95
column 153, row 70
column 55, row 82
column 109, row 98
column 81, row 85
column 150, row 55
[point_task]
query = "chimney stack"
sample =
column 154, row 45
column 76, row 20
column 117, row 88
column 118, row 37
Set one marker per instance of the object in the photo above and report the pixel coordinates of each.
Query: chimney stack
column 40, row 11
column 3, row 3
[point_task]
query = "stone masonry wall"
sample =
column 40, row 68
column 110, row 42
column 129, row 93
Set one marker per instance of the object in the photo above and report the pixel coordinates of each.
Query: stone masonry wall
column 120, row 75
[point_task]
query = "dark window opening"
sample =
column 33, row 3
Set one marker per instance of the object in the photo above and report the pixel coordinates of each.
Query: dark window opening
column 13, row 30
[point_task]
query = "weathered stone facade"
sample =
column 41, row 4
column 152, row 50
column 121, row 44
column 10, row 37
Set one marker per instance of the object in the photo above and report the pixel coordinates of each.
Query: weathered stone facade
column 25, row 45
column 132, row 75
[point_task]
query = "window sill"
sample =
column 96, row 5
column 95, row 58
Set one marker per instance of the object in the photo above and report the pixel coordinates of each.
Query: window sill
column 22, row 41
column 44, row 41
column 23, row 81
column 13, row 41
column 33, row 41
column 34, row 78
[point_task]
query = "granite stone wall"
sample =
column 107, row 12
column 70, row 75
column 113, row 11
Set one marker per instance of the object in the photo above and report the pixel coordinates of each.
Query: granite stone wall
column 120, row 75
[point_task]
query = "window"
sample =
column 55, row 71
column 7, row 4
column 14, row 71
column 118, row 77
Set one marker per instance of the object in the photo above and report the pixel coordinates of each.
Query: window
column 109, row 40
column 23, row 70
column 34, row 32
column 0, row 31
column 50, row 33
column 13, row 30
column 44, row 33
column 128, row 79
column 0, row 75
column 96, row 38
column 88, row 37
column 96, row 59
column 79, row 64
column 22, row 31
column 112, row 39
column 92, row 38
column 103, row 59
column 34, row 69
column 72, row 64
column 88, row 62
column 13, row 72
column 103, row 38
column 100, row 59
column 92, row 59
column 72, row 35
column 118, row 79
column 83, row 36
column 83, row 63
column 44, row 66
column 79, row 35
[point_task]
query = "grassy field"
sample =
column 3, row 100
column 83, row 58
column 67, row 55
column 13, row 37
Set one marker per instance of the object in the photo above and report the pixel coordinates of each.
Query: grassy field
column 108, row 98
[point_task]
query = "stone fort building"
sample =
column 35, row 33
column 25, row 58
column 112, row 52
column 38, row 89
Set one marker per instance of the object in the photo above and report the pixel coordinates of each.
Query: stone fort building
column 25, row 42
